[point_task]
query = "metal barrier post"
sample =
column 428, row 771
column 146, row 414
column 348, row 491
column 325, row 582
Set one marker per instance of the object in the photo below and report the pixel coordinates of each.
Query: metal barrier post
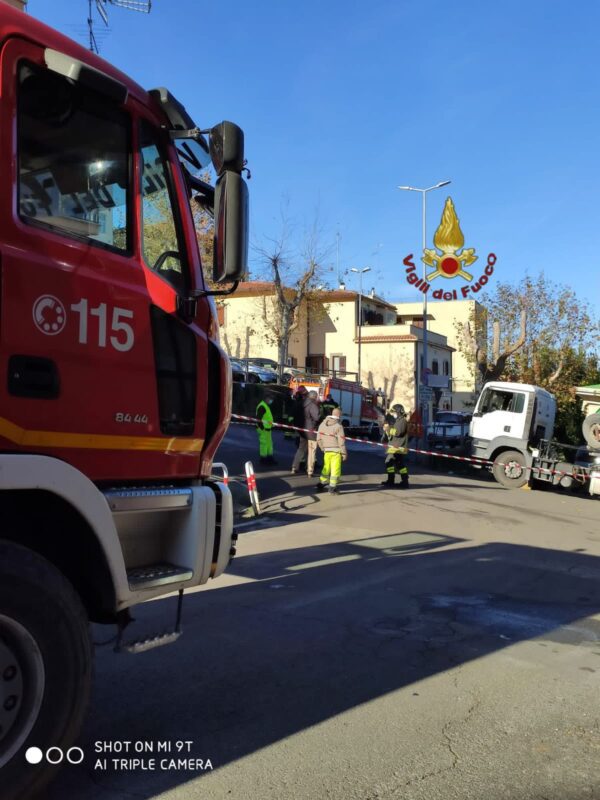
column 252, row 490
column 224, row 470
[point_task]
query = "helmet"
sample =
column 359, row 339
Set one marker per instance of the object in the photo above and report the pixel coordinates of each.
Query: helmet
column 399, row 409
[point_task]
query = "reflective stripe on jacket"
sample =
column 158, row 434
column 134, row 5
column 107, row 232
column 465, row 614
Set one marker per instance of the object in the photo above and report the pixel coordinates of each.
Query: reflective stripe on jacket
column 396, row 435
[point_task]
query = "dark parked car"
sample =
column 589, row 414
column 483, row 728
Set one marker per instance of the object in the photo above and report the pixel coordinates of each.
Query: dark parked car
column 448, row 429
column 255, row 374
column 261, row 362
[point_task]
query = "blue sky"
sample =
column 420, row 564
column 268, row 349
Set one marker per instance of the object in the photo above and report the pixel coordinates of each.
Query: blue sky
column 342, row 101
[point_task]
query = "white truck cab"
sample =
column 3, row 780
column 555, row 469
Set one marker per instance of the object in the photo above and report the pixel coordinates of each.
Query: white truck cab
column 509, row 420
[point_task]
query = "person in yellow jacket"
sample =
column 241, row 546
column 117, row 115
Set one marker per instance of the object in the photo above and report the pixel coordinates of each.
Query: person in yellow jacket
column 331, row 438
column 264, row 426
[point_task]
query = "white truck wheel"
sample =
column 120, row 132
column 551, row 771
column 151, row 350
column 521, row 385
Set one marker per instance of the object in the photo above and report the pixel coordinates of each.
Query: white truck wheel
column 591, row 430
column 510, row 469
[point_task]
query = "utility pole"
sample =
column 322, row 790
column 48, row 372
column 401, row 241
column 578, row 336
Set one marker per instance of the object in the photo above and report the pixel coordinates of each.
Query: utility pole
column 360, row 273
column 337, row 244
column 424, row 366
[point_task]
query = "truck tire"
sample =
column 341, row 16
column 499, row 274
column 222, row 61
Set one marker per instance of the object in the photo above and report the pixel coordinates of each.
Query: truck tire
column 591, row 430
column 45, row 668
column 510, row 469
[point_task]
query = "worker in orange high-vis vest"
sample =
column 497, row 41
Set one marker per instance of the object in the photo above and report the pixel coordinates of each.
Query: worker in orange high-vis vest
column 264, row 426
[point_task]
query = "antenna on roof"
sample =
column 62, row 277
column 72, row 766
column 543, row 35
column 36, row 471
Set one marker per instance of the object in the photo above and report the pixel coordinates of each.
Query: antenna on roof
column 143, row 6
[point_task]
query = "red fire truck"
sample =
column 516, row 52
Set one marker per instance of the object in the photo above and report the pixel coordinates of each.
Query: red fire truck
column 115, row 393
column 360, row 412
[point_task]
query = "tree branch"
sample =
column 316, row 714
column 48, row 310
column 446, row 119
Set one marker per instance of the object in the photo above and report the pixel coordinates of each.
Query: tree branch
column 555, row 375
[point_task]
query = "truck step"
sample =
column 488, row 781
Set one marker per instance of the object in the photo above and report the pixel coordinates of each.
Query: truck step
column 154, row 575
column 142, row 645
column 149, row 498
column 150, row 642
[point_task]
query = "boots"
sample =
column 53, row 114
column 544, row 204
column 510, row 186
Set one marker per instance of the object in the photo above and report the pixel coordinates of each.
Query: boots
column 389, row 481
column 404, row 484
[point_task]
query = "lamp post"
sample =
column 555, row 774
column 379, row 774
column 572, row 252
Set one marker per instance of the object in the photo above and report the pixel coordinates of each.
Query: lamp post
column 360, row 273
column 424, row 367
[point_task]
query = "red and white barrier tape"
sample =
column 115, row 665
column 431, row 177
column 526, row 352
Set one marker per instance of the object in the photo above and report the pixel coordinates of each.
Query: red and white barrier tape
column 470, row 459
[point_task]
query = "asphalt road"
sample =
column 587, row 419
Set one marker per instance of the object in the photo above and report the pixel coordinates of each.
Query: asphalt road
column 440, row 642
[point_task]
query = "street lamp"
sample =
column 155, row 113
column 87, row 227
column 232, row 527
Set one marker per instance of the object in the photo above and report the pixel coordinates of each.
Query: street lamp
column 424, row 367
column 360, row 272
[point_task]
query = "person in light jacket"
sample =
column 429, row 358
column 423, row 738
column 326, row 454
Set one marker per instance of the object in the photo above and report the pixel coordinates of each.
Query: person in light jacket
column 331, row 439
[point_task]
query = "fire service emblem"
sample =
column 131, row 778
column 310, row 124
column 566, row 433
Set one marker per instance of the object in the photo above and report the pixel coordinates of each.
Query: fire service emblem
column 449, row 259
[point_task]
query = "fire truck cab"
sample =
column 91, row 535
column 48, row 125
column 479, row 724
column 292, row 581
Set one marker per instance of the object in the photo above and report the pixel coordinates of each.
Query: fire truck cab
column 115, row 393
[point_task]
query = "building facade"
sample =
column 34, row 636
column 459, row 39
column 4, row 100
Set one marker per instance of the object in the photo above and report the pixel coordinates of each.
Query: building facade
column 248, row 324
column 448, row 318
column 327, row 338
column 390, row 353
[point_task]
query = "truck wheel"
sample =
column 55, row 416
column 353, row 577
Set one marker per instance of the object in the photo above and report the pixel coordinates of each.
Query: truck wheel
column 591, row 430
column 45, row 669
column 510, row 469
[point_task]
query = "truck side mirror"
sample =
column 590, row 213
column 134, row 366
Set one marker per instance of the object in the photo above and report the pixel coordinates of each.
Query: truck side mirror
column 230, row 243
column 226, row 146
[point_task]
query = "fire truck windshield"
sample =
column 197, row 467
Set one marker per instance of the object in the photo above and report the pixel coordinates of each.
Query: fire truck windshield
column 74, row 154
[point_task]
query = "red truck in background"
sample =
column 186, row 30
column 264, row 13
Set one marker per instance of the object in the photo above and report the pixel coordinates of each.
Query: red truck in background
column 360, row 412
column 115, row 393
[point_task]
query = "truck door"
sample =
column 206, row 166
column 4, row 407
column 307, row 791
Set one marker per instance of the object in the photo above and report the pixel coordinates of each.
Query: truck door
column 500, row 412
column 87, row 375
column 180, row 348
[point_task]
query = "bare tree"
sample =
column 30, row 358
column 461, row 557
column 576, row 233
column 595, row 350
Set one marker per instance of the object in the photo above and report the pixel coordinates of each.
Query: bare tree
column 491, row 362
column 296, row 278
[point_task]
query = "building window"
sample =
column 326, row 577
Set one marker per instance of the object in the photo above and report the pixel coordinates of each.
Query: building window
column 446, row 368
column 318, row 364
column 435, row 367
column 338, row 364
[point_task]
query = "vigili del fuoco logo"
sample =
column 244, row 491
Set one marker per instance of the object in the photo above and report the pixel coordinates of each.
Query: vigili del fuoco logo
column 449, row 259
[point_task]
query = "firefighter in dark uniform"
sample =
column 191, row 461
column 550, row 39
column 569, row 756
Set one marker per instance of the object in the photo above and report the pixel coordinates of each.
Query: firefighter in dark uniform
column 395, row 433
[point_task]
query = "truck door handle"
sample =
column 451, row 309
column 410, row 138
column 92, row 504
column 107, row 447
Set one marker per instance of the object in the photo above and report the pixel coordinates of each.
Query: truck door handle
column 32, row 376
column 507, row 429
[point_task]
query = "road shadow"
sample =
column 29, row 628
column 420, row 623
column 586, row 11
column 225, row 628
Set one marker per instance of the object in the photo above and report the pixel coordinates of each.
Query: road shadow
column 311, row 632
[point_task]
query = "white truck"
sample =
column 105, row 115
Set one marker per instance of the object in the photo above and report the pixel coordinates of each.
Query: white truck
column 513, row 425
